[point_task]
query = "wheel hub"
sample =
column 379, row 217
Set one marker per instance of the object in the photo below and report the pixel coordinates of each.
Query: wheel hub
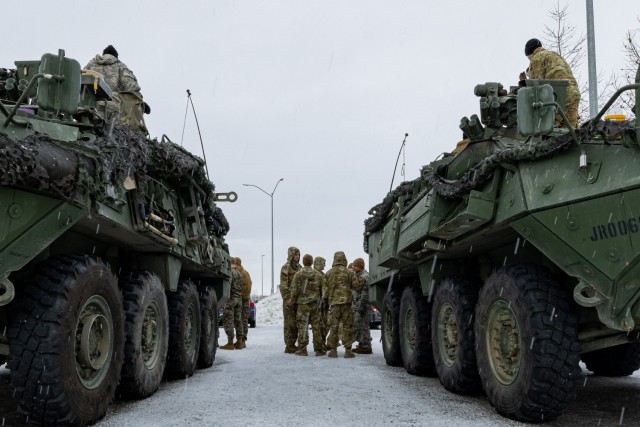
column 448, row 334
column 190, row 332
column 94, row 336
column 409, row 331
column 150, row 338
column 503, row 342
column 93, row 345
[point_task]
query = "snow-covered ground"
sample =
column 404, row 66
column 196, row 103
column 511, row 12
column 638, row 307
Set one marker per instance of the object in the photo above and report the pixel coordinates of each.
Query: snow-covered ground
column 262, row 385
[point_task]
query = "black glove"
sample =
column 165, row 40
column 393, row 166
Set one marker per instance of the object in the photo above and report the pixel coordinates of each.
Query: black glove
column 147, row 109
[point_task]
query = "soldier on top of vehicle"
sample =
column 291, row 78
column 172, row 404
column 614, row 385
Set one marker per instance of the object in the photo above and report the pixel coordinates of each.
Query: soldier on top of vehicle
column 549, row 65
column 127, row 103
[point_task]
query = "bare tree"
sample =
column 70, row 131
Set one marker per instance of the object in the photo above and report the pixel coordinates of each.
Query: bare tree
column 563, row 39
column 627, row 75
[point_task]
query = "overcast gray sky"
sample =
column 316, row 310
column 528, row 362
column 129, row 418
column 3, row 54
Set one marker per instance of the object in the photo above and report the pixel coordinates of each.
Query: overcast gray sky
column 318, row 92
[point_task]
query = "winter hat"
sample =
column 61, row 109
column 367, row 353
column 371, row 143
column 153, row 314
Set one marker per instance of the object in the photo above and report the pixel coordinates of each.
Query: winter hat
column 531, row 45
column 110, row 50
column 307, row 260
column 358, row 262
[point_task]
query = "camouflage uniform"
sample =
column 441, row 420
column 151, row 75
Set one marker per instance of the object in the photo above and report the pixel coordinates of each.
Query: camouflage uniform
column 246, row 294
column 551, row 66
column 362, row 311
column 318, row 265
column 232, row 317
column 126, row 102
column 288, row 270
column 306, row 292
column 340, row 282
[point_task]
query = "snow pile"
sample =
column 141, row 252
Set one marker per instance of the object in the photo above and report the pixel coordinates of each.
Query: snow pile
column 269, row 310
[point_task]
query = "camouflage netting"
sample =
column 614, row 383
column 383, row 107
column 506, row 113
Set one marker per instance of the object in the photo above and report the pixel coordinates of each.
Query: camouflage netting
column 72, row 169
column 380, row 211
column 482, row 172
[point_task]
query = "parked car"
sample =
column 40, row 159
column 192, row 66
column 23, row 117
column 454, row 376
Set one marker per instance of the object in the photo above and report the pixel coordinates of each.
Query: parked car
column 375, row 319
column 252, row 313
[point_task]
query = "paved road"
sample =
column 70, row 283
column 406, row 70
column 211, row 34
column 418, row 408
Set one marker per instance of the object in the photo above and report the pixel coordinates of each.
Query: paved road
column 263, row 385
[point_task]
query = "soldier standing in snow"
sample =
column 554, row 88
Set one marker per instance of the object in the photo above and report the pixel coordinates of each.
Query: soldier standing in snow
column 340, row 283
column 232, row 318
column 246, row 297
column 306, row 291
column 361, row 309
column 318, row 265
column 288, row 270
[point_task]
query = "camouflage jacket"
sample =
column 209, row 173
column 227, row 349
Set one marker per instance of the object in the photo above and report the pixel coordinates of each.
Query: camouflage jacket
column 236, row 284
column 288, row 270
column 116, row 74
column 340, row 282
column 126, row 100
column 551, row 66
column 361, row 298
column 307, row 286
column 246, row 279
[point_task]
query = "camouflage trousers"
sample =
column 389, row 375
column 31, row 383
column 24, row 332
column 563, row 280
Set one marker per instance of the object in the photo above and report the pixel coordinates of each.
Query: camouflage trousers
column 132, row 111
column 232, row 317
column 245, row 319
column 571, row 108
column 308, row 314
column 340, row 314
column 290, row 325
column 324, row 324
column 361, row 324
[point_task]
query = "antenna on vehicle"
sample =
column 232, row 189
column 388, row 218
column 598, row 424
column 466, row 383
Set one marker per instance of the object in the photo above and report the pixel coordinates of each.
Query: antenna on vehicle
column 204, row 156
column 403, row 161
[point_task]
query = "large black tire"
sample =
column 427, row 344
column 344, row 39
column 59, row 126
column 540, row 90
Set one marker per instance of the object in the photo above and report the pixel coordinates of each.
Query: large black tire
column 619, row 361
column 528, row 351
column 452, row 326
column 389, row 324
column 184, row 331
column 415, row 332
column 66, row 342
column 146, row 331
column 210, row 330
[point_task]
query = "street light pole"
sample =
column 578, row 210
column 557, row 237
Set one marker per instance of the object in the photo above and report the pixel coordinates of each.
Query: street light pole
column 262, row 274
column 271, row 196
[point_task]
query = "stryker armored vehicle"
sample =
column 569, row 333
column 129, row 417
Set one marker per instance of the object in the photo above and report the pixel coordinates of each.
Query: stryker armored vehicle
column 112, row 251
column 507, row 262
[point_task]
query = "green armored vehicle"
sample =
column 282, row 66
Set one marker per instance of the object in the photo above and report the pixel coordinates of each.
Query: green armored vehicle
column 112, row 251
column 505, row 264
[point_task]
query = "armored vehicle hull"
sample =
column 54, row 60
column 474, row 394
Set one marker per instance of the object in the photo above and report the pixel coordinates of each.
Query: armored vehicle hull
column 505, row 264
column 112, row 251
